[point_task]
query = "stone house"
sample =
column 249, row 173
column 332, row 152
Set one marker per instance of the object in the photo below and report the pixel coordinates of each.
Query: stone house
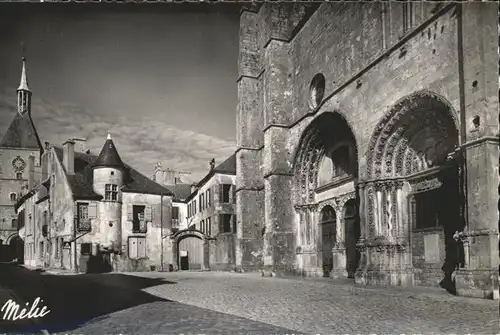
column 367, row 137
column 208, row 241
column 95, row 213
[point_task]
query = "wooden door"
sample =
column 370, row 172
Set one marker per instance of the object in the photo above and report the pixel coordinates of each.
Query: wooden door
column 192, row 248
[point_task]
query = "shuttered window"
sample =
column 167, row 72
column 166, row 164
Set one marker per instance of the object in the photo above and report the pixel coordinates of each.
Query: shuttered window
column 137, row 247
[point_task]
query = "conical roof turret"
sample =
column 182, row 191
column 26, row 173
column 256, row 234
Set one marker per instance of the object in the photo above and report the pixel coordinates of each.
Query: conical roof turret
column 109, row 156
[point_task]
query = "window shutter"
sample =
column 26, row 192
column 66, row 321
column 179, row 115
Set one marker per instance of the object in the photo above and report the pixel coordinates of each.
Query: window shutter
column 167, row 214
column 75, row 211
column 141, row 247
column 148, row 213
column 132, row 247
column 221, row 192
column 221, row 223
column 130, row 212
column 92, row 210
column 156, row 215
column 233, row 194
column 233, row 217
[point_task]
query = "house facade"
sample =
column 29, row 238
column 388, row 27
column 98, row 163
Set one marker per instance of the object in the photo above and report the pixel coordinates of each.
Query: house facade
column 211, row 221
column 95, row 213
column 367, row 138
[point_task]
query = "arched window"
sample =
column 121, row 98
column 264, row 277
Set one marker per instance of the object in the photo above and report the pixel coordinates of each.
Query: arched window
column 341, row 161
column 13, row 223
column 13, row 197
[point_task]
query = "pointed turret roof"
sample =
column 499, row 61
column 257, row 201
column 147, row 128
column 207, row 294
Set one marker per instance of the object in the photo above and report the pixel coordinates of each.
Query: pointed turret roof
column 24, row 79
column 21, row 132
column 109, row 156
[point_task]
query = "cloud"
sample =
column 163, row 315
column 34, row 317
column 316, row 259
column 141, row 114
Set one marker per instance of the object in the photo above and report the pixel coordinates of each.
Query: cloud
column 140, row 143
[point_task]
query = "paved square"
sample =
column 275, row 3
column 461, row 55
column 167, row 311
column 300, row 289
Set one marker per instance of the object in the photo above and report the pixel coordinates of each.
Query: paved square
column 216, row 302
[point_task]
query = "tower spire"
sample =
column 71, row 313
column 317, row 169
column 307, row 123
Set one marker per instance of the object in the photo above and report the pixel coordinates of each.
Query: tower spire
column 23, row 86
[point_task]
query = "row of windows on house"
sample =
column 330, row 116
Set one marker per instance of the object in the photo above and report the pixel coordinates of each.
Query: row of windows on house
column 138, row 214
column 227, row 224
column 226, row 195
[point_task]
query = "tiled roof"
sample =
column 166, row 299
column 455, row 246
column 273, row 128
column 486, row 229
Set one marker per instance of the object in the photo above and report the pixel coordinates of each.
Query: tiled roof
column 81, row 182
column 21, row 134
column 226, row 167
column 181, row 191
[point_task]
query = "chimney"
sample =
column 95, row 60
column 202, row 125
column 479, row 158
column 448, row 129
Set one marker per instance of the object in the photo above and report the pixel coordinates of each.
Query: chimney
column 80, row 144
column 69, row 156
column 31, row 172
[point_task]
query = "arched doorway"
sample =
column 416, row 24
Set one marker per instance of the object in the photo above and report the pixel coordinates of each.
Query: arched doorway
column 412, row 191
column 190, row 253
column 328, row 226
column 190, row 250
column 352, row 235
column 16, row 245
column 325, row 164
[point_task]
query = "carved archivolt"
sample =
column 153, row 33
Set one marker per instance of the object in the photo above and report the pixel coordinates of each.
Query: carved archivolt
column 404, row 140
column 322, row 134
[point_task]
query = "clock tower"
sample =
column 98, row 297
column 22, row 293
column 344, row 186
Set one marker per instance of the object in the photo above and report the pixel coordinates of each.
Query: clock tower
column 18, row 143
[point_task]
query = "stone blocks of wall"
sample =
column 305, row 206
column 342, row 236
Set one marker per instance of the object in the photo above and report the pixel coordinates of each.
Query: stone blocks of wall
column 427, row 272
column 279, row 242
column 480, row 66
column 249, row 113
column 276, row 155
column 249, row 170
column 277, row 79
column 222, row 252
column 249, row 221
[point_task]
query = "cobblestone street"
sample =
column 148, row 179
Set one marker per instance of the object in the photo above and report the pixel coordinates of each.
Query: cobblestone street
column 215, row 302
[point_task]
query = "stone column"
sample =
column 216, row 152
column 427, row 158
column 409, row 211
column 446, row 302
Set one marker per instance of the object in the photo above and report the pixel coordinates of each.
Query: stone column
column 478, row 46
column 339, row 250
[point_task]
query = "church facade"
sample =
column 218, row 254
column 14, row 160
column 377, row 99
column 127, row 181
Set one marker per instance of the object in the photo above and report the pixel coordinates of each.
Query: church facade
column 367, row 143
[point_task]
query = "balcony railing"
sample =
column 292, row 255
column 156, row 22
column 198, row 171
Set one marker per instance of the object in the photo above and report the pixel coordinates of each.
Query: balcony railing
column 83, row 225
column 139, row 227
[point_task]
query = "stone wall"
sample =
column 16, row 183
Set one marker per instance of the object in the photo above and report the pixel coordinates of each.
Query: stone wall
column 372, row 55
column 10, row 184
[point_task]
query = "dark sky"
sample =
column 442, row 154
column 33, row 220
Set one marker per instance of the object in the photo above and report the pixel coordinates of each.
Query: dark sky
column 160, row 77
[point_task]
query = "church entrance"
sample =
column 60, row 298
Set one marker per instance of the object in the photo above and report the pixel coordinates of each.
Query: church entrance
column 352, row 234
column 328, row 238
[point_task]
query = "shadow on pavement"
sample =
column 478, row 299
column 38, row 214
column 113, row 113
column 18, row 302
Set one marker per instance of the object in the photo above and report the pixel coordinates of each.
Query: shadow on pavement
column 72, row 300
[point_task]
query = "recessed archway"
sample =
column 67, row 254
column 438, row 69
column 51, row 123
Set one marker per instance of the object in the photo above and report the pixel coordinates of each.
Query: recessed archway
column 413, row 181
column 190, row 250
column 328, row 138
column 325, row 159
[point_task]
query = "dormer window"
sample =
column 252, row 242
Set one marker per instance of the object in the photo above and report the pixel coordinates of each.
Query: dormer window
column 111, row 192
column 13, row 197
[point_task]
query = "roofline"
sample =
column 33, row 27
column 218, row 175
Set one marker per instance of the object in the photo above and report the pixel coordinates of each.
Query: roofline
column 25, row 197
column 109, row 166
column 165, row 194
column 191, row 196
